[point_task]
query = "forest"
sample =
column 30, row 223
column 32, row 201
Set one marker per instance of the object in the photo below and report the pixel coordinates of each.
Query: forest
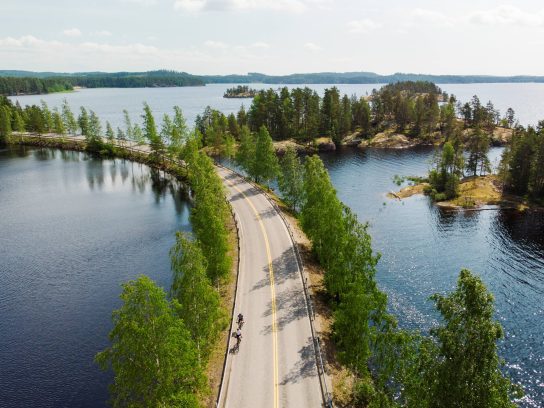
column 16, row 85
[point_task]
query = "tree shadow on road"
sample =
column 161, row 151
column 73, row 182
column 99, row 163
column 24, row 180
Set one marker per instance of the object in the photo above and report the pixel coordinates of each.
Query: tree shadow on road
column 304, row 367
column 290, row 306
column 285, row 267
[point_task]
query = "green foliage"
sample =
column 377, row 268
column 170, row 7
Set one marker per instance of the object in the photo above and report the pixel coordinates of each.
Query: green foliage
column 245, row 156
column 83, row 121
column 444, row 178
column 469, row 374
column 199, row 303
column 477, row 147
column 265, row 167
column 150, row 131
column 291, row 178
column 58, row 124
column 210, row 212
column 522, row 165
column 152, row 355
column 68, row 118
column 5, row 124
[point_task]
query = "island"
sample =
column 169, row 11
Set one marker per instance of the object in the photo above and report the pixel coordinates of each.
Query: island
column 240, row 91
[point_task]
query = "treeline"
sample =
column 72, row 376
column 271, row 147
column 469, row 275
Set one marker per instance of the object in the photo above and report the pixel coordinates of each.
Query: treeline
column 161, row 342
column 34, row 85
column 522, row 164
column 456, row 365
column 417, row 109
column 364, row 78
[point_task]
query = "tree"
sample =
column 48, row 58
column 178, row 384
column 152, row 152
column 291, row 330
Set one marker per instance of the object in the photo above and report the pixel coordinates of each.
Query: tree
column 180, row 131
column 469, row 372
column 234, row 127
column 150, row 131
column 291, row 178
column 478, row 147
column 18, row 122
column 245, row 156
column 266, row 161
column 83, row 121
column 152, row 355
column 70, row 123
column 200, row 306
column 110, row 134
column 510, row 117
column 444, row 178
column 47, row 117
column 58, row 124
column 5, row 124
column 128, row 126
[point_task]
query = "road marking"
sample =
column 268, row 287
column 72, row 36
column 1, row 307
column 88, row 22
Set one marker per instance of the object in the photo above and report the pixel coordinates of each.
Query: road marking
column 272, row 292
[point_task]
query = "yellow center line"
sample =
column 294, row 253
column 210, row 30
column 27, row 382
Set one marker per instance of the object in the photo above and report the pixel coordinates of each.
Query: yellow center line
column 272, row 292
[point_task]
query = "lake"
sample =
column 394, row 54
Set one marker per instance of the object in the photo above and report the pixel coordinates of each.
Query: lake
column 108, row 103
column 72, row 229
column 423, row 248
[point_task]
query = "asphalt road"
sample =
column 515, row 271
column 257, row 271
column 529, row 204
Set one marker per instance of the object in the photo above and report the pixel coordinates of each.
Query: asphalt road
column 275, row 365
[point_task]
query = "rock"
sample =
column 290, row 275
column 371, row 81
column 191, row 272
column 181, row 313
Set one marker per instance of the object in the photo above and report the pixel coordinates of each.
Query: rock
column 325, row 145
column 387, row 140
column 501, row 136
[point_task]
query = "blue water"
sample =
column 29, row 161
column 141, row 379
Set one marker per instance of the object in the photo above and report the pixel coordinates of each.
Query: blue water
column 72, row 229
column 423, row 249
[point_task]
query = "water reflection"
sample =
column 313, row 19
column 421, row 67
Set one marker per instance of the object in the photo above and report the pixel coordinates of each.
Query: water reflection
column 76, row 232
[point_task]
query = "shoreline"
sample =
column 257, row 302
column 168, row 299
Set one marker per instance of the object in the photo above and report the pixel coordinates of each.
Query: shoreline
column 475, row 194
column 227, row 289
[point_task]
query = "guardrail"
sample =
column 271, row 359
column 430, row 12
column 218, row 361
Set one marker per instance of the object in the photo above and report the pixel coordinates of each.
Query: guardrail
column 326, row 395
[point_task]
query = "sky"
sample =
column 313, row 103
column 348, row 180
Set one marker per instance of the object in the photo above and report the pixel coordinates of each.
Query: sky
column 274, row 36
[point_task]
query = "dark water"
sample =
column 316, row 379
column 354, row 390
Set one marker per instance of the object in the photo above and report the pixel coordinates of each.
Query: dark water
column 424, row 248
column 72, row 229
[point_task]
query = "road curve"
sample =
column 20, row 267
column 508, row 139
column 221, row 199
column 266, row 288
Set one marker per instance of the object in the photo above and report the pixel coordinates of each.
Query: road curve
column 275, row 365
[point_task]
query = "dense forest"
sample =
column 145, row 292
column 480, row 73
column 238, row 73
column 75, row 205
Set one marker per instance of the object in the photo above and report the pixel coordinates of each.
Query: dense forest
column 419, row 110
column 522, row 165
column 16, row 85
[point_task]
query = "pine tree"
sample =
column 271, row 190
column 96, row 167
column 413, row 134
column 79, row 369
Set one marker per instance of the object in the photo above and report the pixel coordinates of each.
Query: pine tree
column 58, row 124
column 18, row 122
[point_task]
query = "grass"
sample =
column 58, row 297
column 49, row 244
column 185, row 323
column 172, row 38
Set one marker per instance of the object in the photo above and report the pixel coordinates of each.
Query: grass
column 476, row 191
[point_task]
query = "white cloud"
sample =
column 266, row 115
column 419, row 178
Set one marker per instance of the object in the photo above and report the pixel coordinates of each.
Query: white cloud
column 429, row 17
column 260, row 44
column 216, row 44
column 507, row 15
column 102, row 33
column 312, row 47
column 141, row 2
column 295, row 6
column 72, row 32
column 363, row 26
